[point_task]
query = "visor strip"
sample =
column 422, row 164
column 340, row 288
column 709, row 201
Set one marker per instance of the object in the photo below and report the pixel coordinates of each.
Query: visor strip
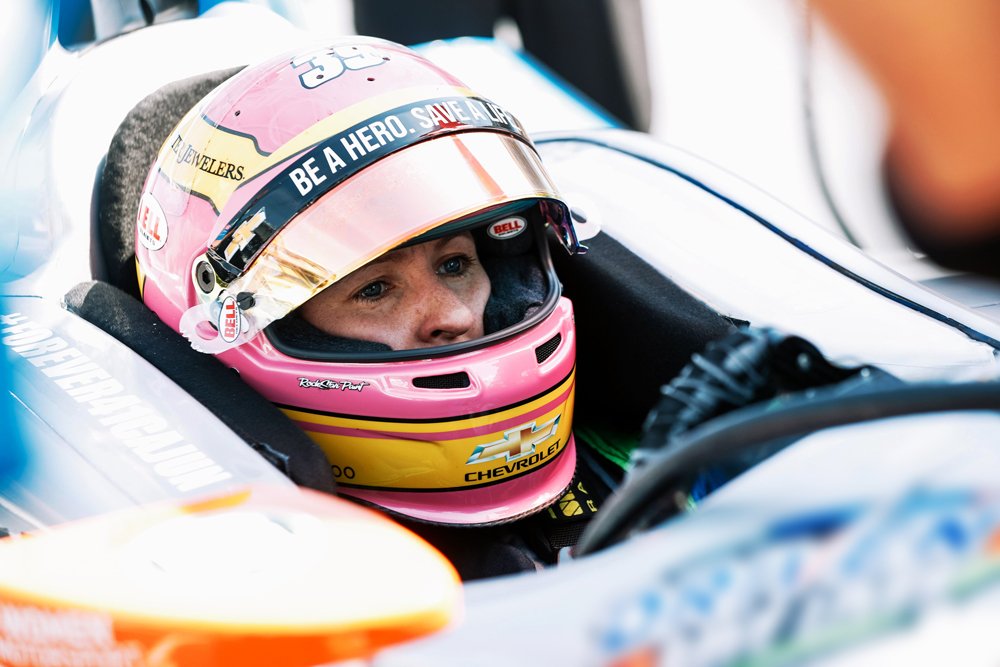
column 342, row 155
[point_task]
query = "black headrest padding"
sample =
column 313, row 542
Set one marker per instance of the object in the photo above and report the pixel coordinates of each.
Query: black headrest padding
column 252, row 417
column 635, row 327
column 517, row 284
column 130, row 156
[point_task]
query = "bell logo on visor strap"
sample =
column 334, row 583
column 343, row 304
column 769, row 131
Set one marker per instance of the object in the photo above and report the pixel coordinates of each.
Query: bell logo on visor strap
column 230, row 320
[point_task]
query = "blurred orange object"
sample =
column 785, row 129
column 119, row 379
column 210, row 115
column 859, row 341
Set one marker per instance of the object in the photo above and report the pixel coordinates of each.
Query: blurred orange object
column 263, row 576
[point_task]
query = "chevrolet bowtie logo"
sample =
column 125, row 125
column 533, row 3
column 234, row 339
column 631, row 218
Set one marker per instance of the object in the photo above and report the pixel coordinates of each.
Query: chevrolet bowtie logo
column 243, row 235
column 517, row 442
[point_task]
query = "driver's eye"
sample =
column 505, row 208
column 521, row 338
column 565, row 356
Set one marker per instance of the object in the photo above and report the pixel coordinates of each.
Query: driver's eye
column 454, row 265
column 372, row 290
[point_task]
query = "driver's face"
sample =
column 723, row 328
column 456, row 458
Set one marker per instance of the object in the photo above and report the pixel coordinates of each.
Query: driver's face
column 424, row 295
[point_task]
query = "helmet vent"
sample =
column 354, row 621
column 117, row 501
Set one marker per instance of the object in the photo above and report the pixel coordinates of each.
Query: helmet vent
column 545, row 350
column 458, row 380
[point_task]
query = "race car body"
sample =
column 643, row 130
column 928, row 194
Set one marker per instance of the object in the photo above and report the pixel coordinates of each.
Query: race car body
column 863, row 516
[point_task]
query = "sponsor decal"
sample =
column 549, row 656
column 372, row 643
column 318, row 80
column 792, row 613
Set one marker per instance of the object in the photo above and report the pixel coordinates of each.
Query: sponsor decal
column 151, row 224
column 31, row 635
column 213, row 177
column 187, row 153
column 343, row 154
column 467, row 451
column 521, row 447
column 368, row 141
column 135, row 424
column 342, row 385
column 347, row 472
column 230, row 319
column 810, row 584
column 517, row 442
column 210, row 161
column 507, row 228
column 324, row 66
column 575, row 502
column 249, row 236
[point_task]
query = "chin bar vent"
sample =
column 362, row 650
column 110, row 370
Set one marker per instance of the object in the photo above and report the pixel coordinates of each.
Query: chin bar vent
column 545, row 350
column 450, row 381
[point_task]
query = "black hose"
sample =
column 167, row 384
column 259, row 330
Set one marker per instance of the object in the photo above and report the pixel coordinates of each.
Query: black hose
column 743, row 429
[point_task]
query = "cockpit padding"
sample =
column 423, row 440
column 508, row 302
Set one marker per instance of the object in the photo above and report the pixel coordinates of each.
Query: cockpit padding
column 252, row 417
column 636, row 330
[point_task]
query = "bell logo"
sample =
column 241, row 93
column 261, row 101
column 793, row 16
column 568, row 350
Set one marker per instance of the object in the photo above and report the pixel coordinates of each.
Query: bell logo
column 230, row 320
column 517, row 442
column 151, row 223
column 507, row 228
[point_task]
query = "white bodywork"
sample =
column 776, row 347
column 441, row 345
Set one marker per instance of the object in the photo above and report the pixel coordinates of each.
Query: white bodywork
column 699, row 224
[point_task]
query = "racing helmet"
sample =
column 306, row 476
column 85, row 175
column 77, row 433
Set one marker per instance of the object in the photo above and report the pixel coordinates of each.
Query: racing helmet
column 299, row 170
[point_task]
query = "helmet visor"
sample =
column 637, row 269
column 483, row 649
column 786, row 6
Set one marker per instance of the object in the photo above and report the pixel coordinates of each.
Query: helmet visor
column 400, row 197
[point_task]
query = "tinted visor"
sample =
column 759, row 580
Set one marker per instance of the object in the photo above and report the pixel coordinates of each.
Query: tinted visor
column 401, row 197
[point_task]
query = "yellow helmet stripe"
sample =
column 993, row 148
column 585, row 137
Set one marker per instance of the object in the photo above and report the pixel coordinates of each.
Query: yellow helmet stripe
column 404, row 426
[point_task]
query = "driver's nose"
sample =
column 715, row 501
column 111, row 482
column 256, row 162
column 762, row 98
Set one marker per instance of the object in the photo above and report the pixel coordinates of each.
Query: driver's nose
column 443, row 317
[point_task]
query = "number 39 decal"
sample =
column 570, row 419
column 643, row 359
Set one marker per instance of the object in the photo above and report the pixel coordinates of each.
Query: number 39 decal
column 330, row 63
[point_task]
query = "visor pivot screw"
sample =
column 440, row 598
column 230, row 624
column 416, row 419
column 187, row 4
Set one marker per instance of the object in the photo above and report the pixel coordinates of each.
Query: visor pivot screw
column 804, row 362
column 245, row 300
column 205, row 277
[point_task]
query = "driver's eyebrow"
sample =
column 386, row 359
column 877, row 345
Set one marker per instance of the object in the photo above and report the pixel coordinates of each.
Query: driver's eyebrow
column 435, row 244
column 382, row 259
column 392, row 254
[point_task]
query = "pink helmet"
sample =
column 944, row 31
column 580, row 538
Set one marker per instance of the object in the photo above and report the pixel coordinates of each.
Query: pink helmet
column 297, row 171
